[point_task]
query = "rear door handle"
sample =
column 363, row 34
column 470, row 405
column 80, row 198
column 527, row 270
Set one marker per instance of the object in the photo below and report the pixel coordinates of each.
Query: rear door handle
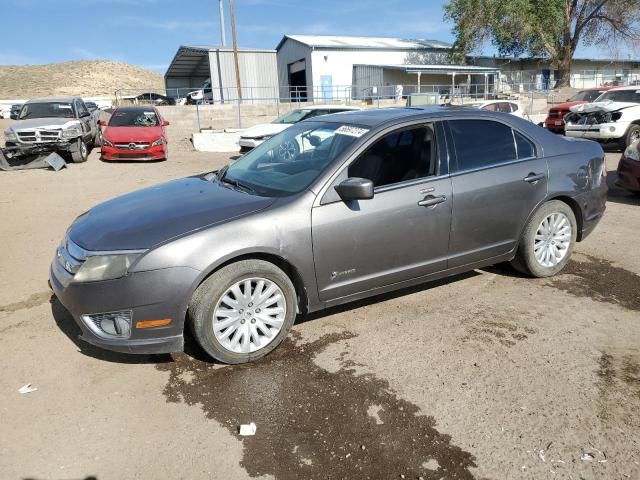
column 534, row 177
column 431, row 201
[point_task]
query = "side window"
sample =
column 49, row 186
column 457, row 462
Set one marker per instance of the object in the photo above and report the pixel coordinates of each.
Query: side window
column 400, row 156
column 80, row 108
column 526, row 149
column 481, row 143
column 490, row 107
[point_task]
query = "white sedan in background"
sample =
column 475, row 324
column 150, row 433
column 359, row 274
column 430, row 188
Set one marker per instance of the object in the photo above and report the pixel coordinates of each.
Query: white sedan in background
column 505, row 106
column 254, row 136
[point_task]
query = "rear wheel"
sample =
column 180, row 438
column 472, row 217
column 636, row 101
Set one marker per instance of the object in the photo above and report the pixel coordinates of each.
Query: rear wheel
column 81, row 152
column 243, row 311
column 548, row 240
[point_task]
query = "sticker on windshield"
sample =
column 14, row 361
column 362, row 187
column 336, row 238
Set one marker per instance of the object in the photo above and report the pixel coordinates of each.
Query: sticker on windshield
column 64, row 107
column 351, row 131
column 149, row 113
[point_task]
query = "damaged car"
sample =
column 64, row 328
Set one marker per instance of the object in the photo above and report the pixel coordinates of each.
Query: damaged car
column 613, row 118
column 58, row 124
column 373, row 201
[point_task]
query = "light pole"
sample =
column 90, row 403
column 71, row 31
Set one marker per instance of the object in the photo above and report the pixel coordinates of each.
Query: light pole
column 235, row 49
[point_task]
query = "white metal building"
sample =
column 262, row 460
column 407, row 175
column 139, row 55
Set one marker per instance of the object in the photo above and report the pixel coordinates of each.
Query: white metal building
column 323, row 67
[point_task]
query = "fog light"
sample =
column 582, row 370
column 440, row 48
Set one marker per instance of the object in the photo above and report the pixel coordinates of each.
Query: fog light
column 612, row 128
column 111, row 324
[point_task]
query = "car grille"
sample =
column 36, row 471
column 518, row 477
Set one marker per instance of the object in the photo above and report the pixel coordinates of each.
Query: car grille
column 132, row 146
column 35, row 136
column 70, row 256
column 133, row 156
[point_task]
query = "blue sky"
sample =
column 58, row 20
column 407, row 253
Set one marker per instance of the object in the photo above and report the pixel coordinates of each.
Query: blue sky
column 148, row 32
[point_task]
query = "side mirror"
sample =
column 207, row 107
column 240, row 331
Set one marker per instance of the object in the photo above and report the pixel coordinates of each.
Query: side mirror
column 355, row 189
column 102, row 123
column 165, row 123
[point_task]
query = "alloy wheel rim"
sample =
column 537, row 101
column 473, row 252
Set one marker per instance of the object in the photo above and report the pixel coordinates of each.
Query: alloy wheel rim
column 83, row 149
column 635, row 135
column 249, row 315
column 287, row 151
column 552, row 239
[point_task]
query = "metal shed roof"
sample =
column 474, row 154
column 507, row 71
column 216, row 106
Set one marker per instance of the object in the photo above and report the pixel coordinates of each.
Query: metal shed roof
column 375, row 43
column 193, row 61
column 471, row 69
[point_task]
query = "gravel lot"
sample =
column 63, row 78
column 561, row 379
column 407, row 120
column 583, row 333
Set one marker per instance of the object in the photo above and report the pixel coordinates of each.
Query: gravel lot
column 487, row 375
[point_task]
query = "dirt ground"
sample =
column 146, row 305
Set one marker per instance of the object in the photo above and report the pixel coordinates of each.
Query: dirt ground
column 486, row 375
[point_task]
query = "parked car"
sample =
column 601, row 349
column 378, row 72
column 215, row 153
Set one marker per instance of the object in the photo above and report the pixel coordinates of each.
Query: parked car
column 56, row 124
column 156, row 99
column 254, row 136
column 504, row 106
column 15, row 110
column 614, row 117
column 134, row 133
column 204, row 94
column 379, row 200
column 555, row 118
column 629, row 169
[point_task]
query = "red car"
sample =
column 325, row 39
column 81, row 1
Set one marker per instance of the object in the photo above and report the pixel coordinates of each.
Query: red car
column 629, row 169
column 555, row 118
column 134, row 133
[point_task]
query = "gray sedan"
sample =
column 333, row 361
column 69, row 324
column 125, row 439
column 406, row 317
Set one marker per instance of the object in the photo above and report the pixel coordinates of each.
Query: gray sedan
column 372, row 201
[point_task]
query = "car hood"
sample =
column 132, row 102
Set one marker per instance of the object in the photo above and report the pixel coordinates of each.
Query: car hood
column 567, row 105
column 145, row 218
column 264, row 129
column 606, row 106
column 132, row 134
column 51, row 122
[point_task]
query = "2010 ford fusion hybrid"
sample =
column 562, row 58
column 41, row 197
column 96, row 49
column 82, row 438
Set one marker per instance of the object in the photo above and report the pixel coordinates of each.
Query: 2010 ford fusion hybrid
column 371, row 201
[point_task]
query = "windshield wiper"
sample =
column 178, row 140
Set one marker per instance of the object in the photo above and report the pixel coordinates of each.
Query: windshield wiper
column 222, row 178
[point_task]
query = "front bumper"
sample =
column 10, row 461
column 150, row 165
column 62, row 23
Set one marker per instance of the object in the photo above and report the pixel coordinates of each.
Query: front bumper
column 152, row 153
column 602, row 131
column 247, row 143
column 152, row 295
column 628, row 175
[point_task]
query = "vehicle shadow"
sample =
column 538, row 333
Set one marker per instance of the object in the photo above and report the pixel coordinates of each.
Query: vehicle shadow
column 619, row 195
column 67, row 324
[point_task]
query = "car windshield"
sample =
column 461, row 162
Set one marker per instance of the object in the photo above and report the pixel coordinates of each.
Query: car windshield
column 46, row 110
column 294, row 116
column 586, row 96
column 134, row 118
column 290, row 161
column 630, row 96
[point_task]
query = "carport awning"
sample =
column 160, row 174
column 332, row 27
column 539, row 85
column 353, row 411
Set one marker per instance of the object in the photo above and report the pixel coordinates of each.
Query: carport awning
column 190, row 62
column 442, row 69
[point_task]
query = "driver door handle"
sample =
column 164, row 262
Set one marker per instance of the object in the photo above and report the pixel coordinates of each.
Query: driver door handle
column 534, row 177
column 431, row 201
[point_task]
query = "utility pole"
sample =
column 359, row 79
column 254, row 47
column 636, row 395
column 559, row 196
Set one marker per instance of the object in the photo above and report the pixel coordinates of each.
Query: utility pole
column 235, row 49
column 222, row 35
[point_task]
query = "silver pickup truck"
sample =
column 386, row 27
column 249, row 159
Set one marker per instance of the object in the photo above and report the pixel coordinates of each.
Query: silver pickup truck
column 57, row 124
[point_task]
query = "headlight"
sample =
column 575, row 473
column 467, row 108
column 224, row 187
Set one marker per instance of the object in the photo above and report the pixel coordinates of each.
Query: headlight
column 632, row 152
column 10, row 135
column 105, row 267
column 105, row 141
column 71, row 132
column 264, row 137
column 159, row 141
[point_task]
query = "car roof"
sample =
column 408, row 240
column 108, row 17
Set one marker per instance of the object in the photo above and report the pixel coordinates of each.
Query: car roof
column 625, row 88
column 52, row 100
column 329, row 107
column 591, row 89
column 137, row 108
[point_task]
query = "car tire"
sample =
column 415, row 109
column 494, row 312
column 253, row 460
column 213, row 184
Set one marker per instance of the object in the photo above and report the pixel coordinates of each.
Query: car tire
column 81, row 153
column 226, row 322
column 545, row 248
column 633, row 134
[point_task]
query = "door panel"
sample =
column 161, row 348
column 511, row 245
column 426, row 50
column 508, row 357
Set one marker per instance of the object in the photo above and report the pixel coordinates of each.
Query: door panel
column 490, row 208
column 365, row 244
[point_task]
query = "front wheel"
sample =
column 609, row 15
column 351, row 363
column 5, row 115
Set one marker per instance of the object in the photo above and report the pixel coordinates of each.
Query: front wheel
column 547, row 241
column 81, row 152
column 633, row 134
column 243, row 311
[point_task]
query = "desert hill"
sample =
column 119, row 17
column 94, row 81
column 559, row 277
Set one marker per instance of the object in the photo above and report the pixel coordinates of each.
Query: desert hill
column 85, row 77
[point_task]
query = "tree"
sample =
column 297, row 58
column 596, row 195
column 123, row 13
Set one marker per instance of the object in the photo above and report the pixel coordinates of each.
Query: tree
column 547, row 28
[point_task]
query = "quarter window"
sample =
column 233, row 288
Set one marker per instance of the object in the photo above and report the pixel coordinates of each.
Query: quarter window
column 482, row 143
column 400, row 156
column 524, row 146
